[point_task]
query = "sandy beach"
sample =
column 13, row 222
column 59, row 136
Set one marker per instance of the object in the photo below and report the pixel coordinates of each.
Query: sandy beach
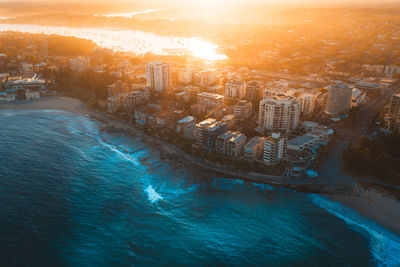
column 56, row 103
column 382, row 209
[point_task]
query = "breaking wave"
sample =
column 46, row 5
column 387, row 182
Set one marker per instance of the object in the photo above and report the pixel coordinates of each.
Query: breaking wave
column 152, row 195
column 384, row 245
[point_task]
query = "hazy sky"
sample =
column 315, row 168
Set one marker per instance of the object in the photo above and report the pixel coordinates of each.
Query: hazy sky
column 226, row 1
column 160, row 4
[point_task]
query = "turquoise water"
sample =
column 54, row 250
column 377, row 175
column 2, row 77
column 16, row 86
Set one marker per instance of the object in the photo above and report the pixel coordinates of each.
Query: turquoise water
column 70, row 196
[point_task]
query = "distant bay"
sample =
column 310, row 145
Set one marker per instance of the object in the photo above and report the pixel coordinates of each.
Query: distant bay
column 137, row 42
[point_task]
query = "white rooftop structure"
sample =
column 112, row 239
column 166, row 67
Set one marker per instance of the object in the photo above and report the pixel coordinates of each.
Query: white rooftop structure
column 187, row 119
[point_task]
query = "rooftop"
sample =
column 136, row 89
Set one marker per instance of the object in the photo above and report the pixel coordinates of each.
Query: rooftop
column 309, row 124
column 214, row 126
column 300, row 140
column 228, row 117
column 187, row 119
column 254, row 142
column 210, row 95
column 242, row 103
column 20, row 80
column 206, row 122
column 232, row 136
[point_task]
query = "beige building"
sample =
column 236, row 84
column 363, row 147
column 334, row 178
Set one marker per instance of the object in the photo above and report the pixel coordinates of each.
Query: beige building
column 307, row 102
column 135, row 98
column 254, row 149
column 80, row 64
column 114, row 103
column 207, row 77
column 210, row 99
column 200, row 127
column 230, row 144
column 185, row 76
column 275, row 149
column 242, row 110
column 392, row 119
column 158, row 76
column 279, row 114
column 117, row 88
column 339, row 98
column 235, row 89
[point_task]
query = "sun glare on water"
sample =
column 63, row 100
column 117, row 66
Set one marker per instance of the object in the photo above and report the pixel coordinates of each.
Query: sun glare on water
column 137, row 42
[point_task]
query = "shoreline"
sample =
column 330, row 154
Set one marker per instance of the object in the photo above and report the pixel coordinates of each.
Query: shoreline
column 380, row 208
column 75, row 105
column 374, row 205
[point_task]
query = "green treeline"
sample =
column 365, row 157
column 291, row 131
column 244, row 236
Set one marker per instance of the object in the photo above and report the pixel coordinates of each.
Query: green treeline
column 379, row 157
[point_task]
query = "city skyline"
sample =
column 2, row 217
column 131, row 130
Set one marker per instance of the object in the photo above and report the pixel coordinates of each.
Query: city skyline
column 204, row 133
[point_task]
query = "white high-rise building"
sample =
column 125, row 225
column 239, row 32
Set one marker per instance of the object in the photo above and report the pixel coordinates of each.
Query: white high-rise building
column 279, row 114
column 185, row 76
column 307, row 104
column 158, row 76
column 275, row 149
column 339, row 98
column 235, row 89
column 207, row 77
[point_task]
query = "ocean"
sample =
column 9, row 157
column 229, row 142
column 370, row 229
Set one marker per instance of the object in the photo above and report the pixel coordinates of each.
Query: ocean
column 72, row 195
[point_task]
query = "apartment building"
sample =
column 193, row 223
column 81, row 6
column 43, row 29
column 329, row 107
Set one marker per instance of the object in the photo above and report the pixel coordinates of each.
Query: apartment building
column 242, row 110
column 185, row 76
column 279, row 114
column 158, row 76
column 307, row 102
column 135, row 98
column 235, row 89
column 230, row 144
column 392, row 118
column 275, row 149
column 254, row 149
column 114, row 103
column 211, row 132
column 210, row 99
column 200, row 127
column 254, row 92
column 339, row 98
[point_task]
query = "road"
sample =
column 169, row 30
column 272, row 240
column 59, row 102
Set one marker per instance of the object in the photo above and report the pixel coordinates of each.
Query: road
column 350, row 131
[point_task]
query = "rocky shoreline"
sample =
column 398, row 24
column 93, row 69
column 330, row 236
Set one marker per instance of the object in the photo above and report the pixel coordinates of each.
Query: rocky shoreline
column 349, row 194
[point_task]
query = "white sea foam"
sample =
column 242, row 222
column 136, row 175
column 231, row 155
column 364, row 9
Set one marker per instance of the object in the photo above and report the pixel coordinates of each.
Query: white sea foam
column 238, row 181
column 263, row 186
column 384, row 245
column 7, row 113
column 152, row 195
column 122, row 154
